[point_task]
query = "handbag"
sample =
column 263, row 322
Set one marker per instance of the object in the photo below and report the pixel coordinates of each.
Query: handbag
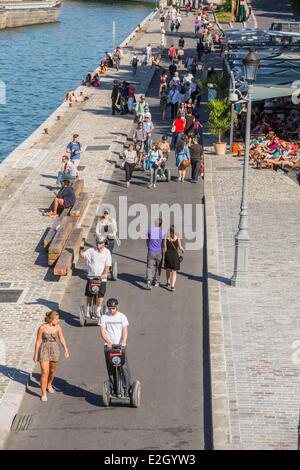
column 180, row 257
column 173, row 128
column 185, row 164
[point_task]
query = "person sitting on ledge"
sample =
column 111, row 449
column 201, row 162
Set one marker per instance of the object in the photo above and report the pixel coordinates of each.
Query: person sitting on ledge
column 103, row 68
column 96, row 81
column 70, row 97
column 88, row 80
column 139, row 29
column 81, row 98
column 108, row 60
column 68, row 170
column 64, row 199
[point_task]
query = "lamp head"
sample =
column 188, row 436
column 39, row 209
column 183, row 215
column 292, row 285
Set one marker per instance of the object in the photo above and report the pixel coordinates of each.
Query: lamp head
column 251, row 63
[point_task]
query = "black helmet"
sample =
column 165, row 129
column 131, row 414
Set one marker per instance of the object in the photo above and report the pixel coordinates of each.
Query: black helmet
column 112, row 303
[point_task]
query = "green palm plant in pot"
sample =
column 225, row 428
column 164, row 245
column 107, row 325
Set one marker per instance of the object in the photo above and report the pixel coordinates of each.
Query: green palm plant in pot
column 219, row 121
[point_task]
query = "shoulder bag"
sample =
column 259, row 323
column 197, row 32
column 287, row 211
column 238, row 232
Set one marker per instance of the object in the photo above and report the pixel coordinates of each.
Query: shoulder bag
column 179, row 253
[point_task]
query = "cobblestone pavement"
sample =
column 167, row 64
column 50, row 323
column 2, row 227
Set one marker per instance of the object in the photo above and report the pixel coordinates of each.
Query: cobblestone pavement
column 25, row 179
column 261, row 338
column 260, row 322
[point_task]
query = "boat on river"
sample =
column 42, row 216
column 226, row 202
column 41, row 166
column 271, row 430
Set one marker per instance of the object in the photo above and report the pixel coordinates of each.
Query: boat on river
column 14, row 14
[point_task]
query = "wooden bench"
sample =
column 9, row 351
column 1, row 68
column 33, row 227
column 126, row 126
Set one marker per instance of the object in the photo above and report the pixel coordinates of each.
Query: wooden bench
column 70, row 253
column 64, row 237
column 55, row 226
column 64, row 264
column 78, row 187
column 80, row 205
column 58, row 243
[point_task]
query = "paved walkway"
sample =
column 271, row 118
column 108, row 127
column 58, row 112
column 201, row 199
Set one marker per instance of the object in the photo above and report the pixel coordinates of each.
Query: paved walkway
column 26, row 179
column 165, row 341
column 255, row 353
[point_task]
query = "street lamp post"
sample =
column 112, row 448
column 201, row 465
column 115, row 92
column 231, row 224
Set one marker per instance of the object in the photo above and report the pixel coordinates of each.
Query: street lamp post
column 242, row 239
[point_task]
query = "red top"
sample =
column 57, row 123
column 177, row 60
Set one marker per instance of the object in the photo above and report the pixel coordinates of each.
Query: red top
column 131, row 91
column 179, row 125
column 172, row 52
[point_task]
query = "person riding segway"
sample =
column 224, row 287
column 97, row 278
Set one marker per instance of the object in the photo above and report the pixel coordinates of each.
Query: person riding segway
column 107, row 228
column 164, row 174
column 98, row 260
column 114, row 331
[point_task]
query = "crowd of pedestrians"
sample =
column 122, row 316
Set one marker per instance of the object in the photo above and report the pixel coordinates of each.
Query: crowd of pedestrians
column 180, row 104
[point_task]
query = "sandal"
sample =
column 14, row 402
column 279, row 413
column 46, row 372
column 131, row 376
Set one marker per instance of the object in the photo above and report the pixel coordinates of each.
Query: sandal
column 50, row 214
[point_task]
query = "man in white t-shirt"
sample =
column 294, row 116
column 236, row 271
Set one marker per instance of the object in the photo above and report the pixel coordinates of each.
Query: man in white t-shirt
column 114, row 331
column 98, row 260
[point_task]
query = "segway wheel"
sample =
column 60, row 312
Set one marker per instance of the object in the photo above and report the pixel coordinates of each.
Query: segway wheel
column 105, row 394
column 136, row 394
column 168, row 175
column 82, row 319
column 114, row 271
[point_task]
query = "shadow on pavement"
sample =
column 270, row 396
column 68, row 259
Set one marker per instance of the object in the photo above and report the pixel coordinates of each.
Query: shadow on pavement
column 133, row 279
column 114, row 183
column 224, row 280
column 128, row 257
column 17, row 375
column 63, row 386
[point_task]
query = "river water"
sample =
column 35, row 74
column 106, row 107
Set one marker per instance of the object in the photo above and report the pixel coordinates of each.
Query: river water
column 38, row 64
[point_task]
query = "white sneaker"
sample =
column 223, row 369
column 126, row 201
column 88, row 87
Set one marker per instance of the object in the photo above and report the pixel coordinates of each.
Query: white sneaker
column 87, row 312
column 154, row 186
column 98, row 314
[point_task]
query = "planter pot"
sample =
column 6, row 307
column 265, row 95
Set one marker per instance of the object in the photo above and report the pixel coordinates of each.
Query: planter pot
column 220, row 149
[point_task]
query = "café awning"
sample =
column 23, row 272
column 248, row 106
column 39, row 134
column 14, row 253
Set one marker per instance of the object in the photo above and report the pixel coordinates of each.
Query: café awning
column 264, row 92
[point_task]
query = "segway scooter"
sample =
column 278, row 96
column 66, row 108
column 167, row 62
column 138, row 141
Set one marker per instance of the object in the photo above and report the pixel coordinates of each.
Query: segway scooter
column 94, row 284
column 116, row 356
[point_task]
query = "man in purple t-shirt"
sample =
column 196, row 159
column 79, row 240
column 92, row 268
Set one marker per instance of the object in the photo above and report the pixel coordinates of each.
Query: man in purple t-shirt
column 155, row 237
